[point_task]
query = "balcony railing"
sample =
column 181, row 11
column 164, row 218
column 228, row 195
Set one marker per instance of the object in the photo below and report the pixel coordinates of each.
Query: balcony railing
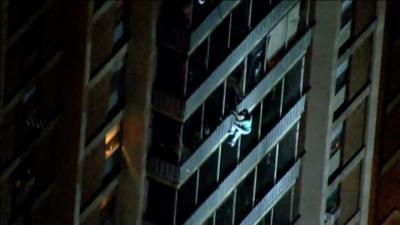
column 273, row 196
column 248, row 164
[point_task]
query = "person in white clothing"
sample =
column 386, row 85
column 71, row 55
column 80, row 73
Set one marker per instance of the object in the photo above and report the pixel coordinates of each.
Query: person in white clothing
column 241, row 126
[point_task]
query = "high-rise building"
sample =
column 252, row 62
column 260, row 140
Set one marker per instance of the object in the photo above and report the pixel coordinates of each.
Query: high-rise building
column 341, row 112
column 121, row 112
column 215, row 57
column 68, row 103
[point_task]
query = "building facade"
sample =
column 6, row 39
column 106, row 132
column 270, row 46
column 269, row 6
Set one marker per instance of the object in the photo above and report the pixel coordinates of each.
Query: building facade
column 65, row 111
column 215, row 57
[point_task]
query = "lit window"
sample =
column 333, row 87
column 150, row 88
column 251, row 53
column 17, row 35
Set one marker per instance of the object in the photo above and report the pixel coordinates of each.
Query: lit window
column 111, row 141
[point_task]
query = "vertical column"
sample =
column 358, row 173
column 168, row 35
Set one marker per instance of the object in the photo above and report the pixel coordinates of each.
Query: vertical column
column 319, row 113
column 141, row 58
column 372, row 112
column 75, row 75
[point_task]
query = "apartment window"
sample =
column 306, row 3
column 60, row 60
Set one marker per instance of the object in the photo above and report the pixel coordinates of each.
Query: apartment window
column 165, row 137
column 197, row 71
column 292, row 86
column 186, row 199
column 293, row 22
column 208, row 177
column 277, row 38
column 228, row 159
column 271, row 109
column 260, row 10
column 224, row 213
column 116, row 94
column 282, row 210
column 240, row 23
column 219, row 44
column 191, row 135
column 244, row 197
column 171, row 70
column 255, row 66
column 287, row 151
column 213, row 111
column 234, row 87
column 159, row 193
column 265, row 174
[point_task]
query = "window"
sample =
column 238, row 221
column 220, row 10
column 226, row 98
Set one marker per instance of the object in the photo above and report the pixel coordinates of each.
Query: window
column 191, row 135
column 228, row 159
column 244, row 197
column 186, row 199
column 260, row 10
column 333, row 201
column 255, row 66
column 197, row 71
column 271, row 109
column 213, row 111
column 292, row 86
column 158, row 193
column 201, row 8
column 265, row 174
column 282, row 210
column 287, row 151
column 234, row 87
column 224, row 213
column 266, row 220
column 219, row 44
column 277, row 38
column 208, row 177
column 240, row 23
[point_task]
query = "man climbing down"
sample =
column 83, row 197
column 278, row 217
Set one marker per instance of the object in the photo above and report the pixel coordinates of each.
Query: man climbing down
column 241, row 126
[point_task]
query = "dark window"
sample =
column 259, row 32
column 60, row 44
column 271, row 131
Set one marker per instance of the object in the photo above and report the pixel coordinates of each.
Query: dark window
column 219, row 44
column 234, row 87
column 201, row 8
column 160, row 194
column 287, row 151
column 333, row 201
column 347, row 13
column 282, row 210
column 192, row 133
column 186, row 199
column 271, row 109
column 244, row 197
column 255, row 66
column 260, row 10
column 265, row 175
column 171, row 71
column 292, row 85
column 224, row 213
column 208, row 177
column 197, row 72
column 213, row 111
column 228, row 159
column 240, row 23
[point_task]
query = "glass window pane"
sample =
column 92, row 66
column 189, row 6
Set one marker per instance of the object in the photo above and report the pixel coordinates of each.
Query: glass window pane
column 197, row 68
column 287, row 150
column 160, row 193
column 244, row 197
column 240, row 20
column 265, row 175
column 219, row 44
column 213, row 111
column 266, row 220
column 228, row 159
column 277, row 38
column 225, row 211
column 208, row 177
column 186, row 199
column 271, row 109
column 255, row 66
column 235, row 83
column 282, row 210
column 291, row 92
